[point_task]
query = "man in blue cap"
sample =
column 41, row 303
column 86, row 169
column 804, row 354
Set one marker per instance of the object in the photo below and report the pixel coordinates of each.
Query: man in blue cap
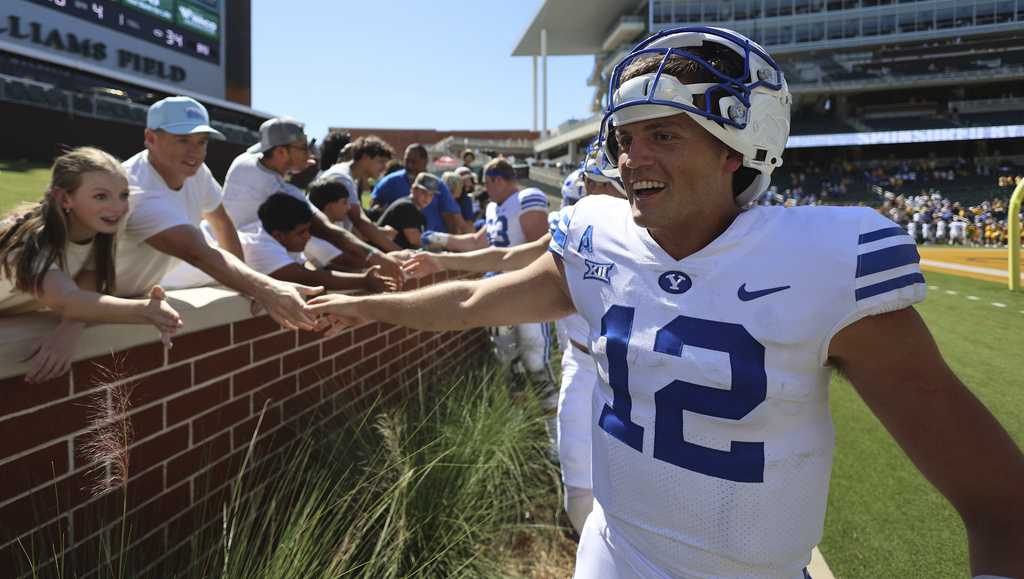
column 172, row 190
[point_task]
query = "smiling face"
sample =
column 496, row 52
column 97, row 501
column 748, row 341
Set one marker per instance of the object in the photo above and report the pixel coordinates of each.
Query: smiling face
column 98, row 205
column 176, row 157
column 674, row 170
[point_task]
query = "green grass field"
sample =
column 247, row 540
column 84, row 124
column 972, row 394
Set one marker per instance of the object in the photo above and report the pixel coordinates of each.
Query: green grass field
column 21, row 181
column 884, row 519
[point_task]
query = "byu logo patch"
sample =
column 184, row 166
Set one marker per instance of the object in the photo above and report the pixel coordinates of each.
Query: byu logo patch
column 587, row 241
column 194, row 113
column 675, row 282
column 598, row 271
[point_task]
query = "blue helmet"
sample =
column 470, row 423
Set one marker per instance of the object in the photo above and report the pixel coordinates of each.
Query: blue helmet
column 752, row 113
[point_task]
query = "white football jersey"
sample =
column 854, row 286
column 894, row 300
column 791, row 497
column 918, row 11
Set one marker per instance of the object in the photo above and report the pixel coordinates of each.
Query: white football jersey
column 712, row 444
column 957, row 229
column 502, row 220
column 572, row 326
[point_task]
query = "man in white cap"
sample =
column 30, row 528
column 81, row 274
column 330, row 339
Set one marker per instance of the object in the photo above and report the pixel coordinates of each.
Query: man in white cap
column 260, row 172
column 172, row 190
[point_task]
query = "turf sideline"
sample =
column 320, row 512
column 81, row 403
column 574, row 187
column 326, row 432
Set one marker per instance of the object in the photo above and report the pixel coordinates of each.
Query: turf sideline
column 957, row 267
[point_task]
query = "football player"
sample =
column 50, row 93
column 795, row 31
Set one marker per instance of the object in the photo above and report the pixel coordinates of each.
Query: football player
column 716, row 328
column 513, row 217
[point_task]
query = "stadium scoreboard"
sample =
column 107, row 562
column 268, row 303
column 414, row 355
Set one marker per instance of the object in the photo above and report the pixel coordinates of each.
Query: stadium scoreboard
column 176, row 44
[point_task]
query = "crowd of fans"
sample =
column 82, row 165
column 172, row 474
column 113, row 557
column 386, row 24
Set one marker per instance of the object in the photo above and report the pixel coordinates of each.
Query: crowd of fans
column 930, row 216
column 285, row 225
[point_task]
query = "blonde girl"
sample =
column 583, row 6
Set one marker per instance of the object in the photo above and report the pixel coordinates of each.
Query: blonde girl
column 58, row 253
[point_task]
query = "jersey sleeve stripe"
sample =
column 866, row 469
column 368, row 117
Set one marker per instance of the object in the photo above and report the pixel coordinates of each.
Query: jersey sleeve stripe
column 558, row 238
column 535, row 203
column 879, row 234
column 888, row 285
column 888, row 258
column 533, row 196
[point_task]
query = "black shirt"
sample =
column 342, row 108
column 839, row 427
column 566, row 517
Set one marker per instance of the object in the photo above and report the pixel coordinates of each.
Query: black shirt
column 403, row 214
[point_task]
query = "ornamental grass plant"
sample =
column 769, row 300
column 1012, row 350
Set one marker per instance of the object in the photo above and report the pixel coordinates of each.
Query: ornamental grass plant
column 456, row 481
column 435, row 488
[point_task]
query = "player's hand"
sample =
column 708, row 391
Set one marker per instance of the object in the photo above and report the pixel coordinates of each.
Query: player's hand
column 389, row 267
column 159, row 313
column 377, row 283
column 286, row 303
column 335, row 312
column 421, row 264
column 51, row 356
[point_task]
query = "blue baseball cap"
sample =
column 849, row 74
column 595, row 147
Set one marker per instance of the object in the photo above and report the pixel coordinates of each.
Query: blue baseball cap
column 181, row 115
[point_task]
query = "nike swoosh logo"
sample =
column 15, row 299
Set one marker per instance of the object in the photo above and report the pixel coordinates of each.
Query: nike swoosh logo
column 746, row 296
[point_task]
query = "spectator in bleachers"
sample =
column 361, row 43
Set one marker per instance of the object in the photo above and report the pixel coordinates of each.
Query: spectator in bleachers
column 471, row 192
column 331, row 197
column 443, row 213
column 468, row 159
column 259, row 172
column 330, row 149
column 369, row 155
column 172, row 190
column 302, row 178
column 406, row 215
column 460, row 191
column 392, row 166
column 276, row 249
column 58, row 253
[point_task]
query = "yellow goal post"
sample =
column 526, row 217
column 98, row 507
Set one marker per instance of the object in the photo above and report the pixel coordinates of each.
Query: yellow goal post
column 1013, row 241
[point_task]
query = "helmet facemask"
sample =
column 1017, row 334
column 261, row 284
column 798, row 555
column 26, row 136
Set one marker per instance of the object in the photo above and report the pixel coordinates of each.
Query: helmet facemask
column 732, row 88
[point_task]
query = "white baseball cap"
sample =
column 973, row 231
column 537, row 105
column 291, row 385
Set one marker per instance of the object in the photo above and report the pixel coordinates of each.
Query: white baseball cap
column 181, row 115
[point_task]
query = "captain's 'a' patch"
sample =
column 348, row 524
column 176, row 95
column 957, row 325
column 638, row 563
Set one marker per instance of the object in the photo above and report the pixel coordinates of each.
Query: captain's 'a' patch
column 586, row 241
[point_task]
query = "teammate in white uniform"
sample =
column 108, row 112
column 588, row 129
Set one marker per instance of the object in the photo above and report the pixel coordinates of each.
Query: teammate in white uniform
column 957, row 231
column 941, row 229
column 579, row 374
column 716, row 330
column 513, row 217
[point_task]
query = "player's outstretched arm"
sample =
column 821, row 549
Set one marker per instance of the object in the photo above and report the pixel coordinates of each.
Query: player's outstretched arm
column 948, row 433
column 478, row 261
column 534, row 294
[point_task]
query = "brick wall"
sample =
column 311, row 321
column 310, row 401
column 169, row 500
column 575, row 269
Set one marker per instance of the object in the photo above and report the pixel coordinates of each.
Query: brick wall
column 193, row 410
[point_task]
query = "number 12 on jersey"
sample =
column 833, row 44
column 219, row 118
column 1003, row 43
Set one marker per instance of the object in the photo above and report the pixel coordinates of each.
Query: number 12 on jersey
column 744, row 461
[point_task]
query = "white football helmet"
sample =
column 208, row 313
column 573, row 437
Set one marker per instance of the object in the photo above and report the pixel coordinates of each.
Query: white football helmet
column 597, row 167
column 754, row 107
column 573, row 188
